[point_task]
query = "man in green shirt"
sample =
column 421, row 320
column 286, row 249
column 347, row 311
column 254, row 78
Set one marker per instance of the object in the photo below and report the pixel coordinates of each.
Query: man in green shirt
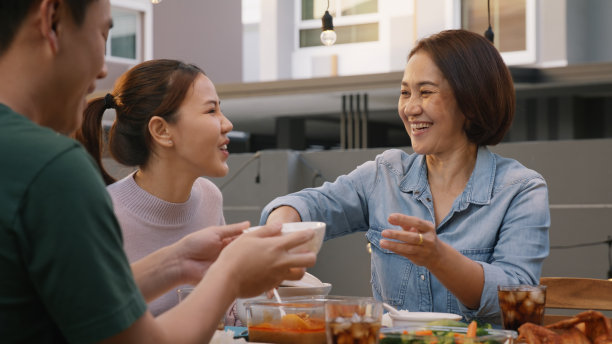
column 65, row 275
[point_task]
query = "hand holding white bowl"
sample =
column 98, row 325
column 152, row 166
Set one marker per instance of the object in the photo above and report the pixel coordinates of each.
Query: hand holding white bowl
column 313, row 245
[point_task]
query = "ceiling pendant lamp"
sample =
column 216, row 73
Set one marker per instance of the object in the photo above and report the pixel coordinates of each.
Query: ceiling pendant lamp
column 328, row 36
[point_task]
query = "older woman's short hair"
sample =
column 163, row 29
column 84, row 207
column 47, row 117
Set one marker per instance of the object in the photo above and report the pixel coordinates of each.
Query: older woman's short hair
column 480, row 80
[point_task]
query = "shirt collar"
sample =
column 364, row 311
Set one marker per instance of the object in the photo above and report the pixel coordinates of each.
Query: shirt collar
column 483, row 176
column 479, row 187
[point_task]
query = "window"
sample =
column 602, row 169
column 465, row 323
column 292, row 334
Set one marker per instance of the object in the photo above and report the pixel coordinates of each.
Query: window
column 124, row 38
column 512, row 21
column 355, row 21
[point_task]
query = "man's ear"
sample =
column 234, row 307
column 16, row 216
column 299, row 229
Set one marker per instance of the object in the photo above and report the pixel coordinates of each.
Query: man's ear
column 49, row 11
column 160, row 131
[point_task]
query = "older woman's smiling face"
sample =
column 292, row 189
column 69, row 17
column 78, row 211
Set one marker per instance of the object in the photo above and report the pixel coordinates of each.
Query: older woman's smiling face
column 428, row 108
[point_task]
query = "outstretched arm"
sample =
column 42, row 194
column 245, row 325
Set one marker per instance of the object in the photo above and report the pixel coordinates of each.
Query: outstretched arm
column 183, row 262
column 284, row 214
column 251, row 264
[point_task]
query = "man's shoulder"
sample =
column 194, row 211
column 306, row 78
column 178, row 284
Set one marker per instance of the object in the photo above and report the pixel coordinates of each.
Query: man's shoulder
column 26, row 146
column 30, row 152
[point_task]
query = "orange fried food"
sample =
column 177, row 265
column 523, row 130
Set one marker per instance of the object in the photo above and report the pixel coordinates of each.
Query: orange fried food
column 587, row 327
column 535, row 334
column 596, row 326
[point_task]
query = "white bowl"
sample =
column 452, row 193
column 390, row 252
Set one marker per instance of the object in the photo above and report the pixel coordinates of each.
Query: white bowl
column 314, row 245
column 412, row 319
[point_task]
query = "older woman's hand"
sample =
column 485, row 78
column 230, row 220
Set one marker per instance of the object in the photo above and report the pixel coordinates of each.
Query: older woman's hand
column 417, row 241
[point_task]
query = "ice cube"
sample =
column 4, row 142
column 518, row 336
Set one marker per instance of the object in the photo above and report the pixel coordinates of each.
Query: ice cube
column 527, row 306
column 538, row 297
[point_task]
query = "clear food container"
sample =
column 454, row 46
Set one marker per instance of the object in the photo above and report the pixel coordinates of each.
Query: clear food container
column 287, row 322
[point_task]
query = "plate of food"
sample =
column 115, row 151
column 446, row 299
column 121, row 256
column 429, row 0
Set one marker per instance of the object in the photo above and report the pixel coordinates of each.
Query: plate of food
column 405, row 318
column 471, row 333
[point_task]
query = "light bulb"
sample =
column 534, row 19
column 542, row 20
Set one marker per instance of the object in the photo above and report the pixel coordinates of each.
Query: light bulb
column 328, row 37
column 156, row 1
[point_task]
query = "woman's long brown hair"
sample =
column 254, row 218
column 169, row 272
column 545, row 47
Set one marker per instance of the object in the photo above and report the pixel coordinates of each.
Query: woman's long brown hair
column 152, row 88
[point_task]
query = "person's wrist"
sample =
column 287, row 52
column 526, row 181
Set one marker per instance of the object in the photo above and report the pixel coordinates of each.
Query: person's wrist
column 224, row 273
column 177, row 263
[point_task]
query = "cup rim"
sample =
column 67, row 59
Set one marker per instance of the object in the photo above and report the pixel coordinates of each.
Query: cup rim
column 302, row 225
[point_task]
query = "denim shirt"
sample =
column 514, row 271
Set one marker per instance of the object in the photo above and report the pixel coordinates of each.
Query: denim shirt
column 500, row 220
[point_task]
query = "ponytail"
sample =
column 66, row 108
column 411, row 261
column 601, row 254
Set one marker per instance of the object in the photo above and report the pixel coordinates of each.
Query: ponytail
column 91, row 132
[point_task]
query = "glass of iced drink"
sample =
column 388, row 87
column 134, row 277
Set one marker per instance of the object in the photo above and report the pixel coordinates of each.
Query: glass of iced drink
column 520, row 304
column 353, row 320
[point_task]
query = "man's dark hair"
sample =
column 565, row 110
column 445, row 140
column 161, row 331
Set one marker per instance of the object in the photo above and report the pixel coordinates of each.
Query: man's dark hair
column 14, row 12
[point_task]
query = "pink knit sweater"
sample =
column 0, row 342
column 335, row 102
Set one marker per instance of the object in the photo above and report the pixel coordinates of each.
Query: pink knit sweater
column 149, row 223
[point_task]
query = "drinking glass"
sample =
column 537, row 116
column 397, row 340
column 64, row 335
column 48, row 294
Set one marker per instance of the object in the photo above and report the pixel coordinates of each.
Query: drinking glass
column 520, row 304
column 353, row 320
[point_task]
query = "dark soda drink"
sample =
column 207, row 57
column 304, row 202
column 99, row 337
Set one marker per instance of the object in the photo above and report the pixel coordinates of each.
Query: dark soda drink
column 353, row 320
column 520, row 304
column 345, row 331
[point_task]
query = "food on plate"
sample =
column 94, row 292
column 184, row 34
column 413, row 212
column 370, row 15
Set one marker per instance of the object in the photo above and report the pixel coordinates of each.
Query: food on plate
column 296, row 328
column 470, row 334
column 587, row 327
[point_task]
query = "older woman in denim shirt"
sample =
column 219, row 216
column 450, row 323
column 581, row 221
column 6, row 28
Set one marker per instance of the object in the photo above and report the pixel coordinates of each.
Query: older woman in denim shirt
column 453, row 220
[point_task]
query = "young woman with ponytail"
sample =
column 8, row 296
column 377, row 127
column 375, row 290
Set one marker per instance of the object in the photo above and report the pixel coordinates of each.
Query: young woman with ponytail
column 169, row 126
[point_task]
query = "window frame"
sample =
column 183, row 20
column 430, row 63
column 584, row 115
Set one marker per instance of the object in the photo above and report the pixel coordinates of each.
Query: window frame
column 144, row 31
column 518, row 57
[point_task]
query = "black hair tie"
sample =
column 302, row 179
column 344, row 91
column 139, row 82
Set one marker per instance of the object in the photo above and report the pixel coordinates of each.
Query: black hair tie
column 109, row 101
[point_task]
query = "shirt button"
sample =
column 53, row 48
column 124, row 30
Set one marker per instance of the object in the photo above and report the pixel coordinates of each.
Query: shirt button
column 428, row 199
column 416, row 192
column 422, row 277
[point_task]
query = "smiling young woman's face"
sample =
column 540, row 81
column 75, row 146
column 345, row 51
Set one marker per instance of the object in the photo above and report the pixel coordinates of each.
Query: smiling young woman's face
column 428, row 108
column 200, row 134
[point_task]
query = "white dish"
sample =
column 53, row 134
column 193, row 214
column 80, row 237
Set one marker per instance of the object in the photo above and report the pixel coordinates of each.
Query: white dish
column 308, row 280
column 406, row 318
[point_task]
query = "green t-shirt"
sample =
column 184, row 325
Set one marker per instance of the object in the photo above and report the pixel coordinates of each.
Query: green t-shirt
column 65, row 277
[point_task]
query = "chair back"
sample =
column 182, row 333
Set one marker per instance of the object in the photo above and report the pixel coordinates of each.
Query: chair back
column 570, row 293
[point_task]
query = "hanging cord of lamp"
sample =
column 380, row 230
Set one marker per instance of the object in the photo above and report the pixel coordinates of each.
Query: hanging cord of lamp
column 316, row 173
column 328, row 36
column 489, row 33
column 256, row 156
column 606, row 242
